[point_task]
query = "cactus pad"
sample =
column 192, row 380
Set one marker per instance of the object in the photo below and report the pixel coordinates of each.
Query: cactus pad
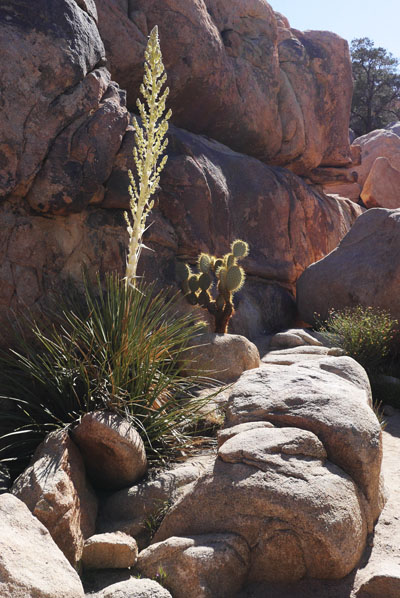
column 234, row 279
column 182, row 271
column 194, row 283
column 205, row 281
column 204, row 263
column 240, row 248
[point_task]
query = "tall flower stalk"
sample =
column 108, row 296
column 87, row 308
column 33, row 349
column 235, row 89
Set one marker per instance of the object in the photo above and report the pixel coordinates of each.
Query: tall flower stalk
column 150, row 145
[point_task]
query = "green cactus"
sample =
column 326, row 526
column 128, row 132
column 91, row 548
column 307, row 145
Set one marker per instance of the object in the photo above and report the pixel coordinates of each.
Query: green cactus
column 229, row 278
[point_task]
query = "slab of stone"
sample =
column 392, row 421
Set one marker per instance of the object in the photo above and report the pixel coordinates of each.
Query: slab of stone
column 109, row 551
column 31, row 564
column 56, row 490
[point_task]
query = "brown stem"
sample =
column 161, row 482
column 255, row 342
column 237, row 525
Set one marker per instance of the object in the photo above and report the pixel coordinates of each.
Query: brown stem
column 222, row 318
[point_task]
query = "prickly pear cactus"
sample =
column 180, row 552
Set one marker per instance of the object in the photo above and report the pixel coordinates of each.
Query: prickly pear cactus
column 216, row 282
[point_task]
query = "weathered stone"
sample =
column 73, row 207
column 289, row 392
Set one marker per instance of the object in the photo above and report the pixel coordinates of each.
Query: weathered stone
column 223, row 357
column 295, row 337
column 129, row 509
column 329, row 396
column 347, row 190
column 377, row 144
column 58, row 55
column 109, row 551
column 363, row 270
column 31, row 565
column 111, row 448
column 383, row 580
column 382, row 187
column 248, row 67
column 199, row 566
column 133, row 588
column 227, row 433
column 299, row 514
column 55, row 489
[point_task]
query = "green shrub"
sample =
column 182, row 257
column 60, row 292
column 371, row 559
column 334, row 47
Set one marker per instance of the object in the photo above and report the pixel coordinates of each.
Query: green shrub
column 367, row 334
column 118, row 350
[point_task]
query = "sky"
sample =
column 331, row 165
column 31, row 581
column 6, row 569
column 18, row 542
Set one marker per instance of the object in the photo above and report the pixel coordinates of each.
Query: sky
column 377, row 19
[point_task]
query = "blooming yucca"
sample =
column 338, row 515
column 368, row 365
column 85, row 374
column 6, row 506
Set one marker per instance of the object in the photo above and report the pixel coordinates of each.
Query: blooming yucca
column 150, row 145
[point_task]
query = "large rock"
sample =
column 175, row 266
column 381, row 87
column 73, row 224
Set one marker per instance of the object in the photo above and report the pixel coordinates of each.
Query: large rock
column 112, row 449
column 330, row 397
column 272, row 92
column 363, row 270
column 223, row 357
column 382, row 187
column 31, row 565
column 300, row 514
column 133, row 588
column 53, row 141
column 200, row 566
column 55, row 489
column 376, row 144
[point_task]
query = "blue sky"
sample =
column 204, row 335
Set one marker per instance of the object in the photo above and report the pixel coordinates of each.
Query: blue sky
column 376, row 19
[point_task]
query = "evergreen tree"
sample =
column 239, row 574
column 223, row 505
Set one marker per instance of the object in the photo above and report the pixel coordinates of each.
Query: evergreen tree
column 376, row 97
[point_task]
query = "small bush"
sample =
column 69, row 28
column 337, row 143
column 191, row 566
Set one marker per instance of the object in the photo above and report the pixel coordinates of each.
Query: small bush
column 118, row 350
column 364, row 333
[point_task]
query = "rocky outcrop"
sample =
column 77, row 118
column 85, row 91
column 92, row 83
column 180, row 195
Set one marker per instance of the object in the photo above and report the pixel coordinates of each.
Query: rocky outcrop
column 55, row 149
column 210, row 196
column 55, row 489
column 363, row 270
column 271, row 92
column 66, row 147
column 305, row 493
column 112, row 449
column 214, row 565
column 31, row 565
column 222, row 357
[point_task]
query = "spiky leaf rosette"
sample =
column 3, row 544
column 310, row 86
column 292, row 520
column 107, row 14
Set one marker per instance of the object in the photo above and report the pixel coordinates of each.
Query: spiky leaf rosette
column 150, row 145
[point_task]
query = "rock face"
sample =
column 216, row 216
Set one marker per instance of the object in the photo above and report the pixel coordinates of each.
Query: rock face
column 364, row 269
column 305, row 493
column 66, row 96
column 260, row 80
column 66, row 146
column 382, row 187
column 111, row 448
column 214, row 565
column 210, row 196
column 223, row 357
column 31, row 565
column 55, row 489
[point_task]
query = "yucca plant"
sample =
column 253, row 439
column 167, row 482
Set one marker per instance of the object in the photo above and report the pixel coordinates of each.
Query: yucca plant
column 121, row 350
column 150, row 145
